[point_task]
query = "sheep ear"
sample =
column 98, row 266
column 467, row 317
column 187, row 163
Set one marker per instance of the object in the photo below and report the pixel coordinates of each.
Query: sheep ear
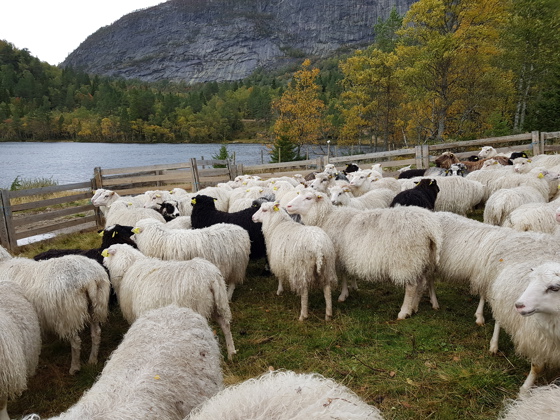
column 100, row 232
column 215, row 199
column 541, row 175
column 276, row 207
column 193, row 201
column 137, row 230
column 416, row 182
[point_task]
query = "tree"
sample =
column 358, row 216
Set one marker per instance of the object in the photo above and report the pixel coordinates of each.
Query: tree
column 284, row 150
column 385, row 31
column 447, row 52
column 372, row 96
column 531, row 43
column 300, row 111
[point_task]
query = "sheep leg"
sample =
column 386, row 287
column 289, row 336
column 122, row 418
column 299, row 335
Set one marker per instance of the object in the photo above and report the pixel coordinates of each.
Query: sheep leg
column 432, row 293
column 410, row 299
column 417, row 296
column 95, row 329
column 280, row 287
column 75, row 344
column 494, row 339
column 230, row 289
column 536, row 370
column 304, row 304
column 4, row 408
column 226, row 329
column 479, row 314
column 328, row 302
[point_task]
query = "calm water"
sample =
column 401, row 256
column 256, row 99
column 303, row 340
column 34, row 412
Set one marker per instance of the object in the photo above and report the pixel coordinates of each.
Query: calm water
column 74, row 162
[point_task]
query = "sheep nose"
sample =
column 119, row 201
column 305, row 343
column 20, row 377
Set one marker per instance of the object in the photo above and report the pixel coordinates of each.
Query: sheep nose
column 519, row 305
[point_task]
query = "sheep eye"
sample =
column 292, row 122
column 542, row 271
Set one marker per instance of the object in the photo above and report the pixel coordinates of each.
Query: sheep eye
column 553, row 288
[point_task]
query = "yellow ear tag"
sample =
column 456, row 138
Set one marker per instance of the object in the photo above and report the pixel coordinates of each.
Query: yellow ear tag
column 247, row 190
column 215, row 199
column 157, row 377
column 113, row 235
column 193, row 201
column 319, row 196
column 275, row 208
column 158, row 195
column 101, row 233
column 136, row 230
column 541, row 175
column 529, row 160
column 275, row 188
column 105, row 253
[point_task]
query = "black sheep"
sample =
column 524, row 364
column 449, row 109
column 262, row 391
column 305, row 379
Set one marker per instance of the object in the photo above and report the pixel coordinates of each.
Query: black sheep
column 515, row 155
column 116, row 234
column 205, row 214
column 351, row 167
column 424, row 194
column 411, row 173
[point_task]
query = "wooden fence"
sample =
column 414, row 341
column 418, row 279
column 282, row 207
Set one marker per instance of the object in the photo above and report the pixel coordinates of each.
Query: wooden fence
column 28, row 213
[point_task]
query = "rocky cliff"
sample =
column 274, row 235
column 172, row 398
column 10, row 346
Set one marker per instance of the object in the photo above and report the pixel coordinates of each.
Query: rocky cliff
column 217, row 40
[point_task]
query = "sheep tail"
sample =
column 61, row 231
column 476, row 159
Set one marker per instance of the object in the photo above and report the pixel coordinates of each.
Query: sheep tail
column 98, row 296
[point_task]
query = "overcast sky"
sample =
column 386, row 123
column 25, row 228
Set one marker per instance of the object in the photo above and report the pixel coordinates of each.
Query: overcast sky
column 52, row 29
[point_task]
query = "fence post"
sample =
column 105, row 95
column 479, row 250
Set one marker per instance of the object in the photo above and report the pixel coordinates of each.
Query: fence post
column 239, row 169
column 319, row 164
column 425, row 156
column 7, row 231
column 418, row 157
column 536, row 142
column 195, row 178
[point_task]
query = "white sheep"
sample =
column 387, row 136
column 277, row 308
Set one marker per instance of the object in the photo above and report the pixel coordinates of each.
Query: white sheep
column 543, row 181
column 539, row 403
column 476, row 253
column 124, row 214
column 375, row 199
column 303, row 256
column 532, row 288
column 143, row 283
column 104, row 199
column 504, row 201
column 286, row 395
column 397, row 244
column 456, row 194
column 489, row 152
column 167, row 363
column 324, row 181
column 20, row 343
column 548, row 161
column 225, row 245
column 68, row 294
column 536, row 217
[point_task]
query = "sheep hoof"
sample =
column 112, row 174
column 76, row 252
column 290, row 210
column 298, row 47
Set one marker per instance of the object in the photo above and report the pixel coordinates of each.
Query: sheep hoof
column 403, row 316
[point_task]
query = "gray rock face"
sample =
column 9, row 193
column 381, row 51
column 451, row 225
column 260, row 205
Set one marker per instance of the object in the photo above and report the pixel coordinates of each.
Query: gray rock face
column 222, row 40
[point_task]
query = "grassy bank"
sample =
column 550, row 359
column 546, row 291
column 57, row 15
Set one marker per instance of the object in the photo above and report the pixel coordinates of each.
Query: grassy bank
column 434, row 365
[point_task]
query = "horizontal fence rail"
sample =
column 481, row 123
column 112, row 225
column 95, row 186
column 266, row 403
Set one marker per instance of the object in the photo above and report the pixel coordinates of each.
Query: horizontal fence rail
column 28, row 213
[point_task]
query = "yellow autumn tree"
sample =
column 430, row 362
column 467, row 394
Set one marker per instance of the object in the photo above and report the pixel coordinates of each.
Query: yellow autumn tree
column 447, row 51
column 300, row 111
column 371, row 97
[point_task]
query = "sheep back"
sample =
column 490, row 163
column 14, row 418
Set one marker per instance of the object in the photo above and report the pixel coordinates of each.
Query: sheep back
column 167, row 363
column 286, row 395
column 20, row 340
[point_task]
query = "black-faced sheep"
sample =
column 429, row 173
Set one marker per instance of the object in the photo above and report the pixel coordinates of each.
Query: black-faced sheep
column 205, row 214
column 424, row 195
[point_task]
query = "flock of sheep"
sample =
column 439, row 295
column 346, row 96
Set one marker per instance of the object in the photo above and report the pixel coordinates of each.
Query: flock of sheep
column 173, row 259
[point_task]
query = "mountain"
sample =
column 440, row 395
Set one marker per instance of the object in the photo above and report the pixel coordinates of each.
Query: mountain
column 223, row 40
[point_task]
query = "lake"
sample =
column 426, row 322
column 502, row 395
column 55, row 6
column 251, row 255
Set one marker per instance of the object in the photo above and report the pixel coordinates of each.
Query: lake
column 67, row 162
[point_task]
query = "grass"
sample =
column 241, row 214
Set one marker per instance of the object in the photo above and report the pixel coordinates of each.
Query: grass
column 434, row 365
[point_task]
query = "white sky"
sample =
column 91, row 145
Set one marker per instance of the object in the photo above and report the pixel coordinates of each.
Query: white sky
column 52, row 29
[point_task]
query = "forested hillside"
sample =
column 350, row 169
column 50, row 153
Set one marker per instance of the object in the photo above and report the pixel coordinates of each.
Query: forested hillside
column 444, row 71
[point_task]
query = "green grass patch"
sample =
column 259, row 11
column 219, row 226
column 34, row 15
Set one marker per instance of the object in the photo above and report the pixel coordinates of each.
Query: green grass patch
column 434, row 365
